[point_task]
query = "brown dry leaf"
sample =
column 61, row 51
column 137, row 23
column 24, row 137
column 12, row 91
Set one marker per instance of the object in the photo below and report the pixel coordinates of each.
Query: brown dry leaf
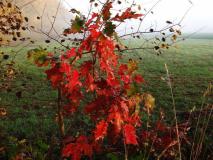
column 164, row 45
column 3, row 112
column 18, row 157
column 2, row 149
column 11, row 21
column 178, row 32
column 174, row 37
column 139, row 7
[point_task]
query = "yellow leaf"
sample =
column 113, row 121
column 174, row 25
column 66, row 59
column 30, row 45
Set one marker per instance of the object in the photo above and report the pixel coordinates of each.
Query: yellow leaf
column 134, row 103
column 149, row 102
column 38, row 55
column 132, row 66
column 23, row 141
column 131, row 90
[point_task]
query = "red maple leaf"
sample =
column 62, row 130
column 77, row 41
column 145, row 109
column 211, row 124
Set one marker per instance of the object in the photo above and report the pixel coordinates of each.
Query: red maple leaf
column 65, row 68
column 95, row 105
column 138, row 79
column 128, row 14
column 68, row 54
column 115, row 117
column 78, row 149
column 94, row 15
column 130, row 134
column 112, row 80
column 86, row 67
column 125, row 78
column 101, row 130
column 122, row 69
column 90, row 83
column 106, row 11
column 54, row 75
column 73, row 81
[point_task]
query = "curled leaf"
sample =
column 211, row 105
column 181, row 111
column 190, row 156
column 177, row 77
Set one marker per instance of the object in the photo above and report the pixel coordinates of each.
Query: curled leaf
column 3, row 112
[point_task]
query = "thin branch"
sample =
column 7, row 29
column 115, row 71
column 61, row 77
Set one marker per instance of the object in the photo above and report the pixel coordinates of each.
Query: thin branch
column 148, row 13
column 26, row 4
column 148, row 32
column 43, row 15
column 55, row 17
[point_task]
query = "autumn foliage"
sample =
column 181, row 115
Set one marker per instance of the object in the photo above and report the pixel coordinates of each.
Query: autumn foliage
column 93, row 73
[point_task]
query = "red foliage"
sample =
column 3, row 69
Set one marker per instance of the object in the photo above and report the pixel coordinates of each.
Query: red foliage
column 138, row 79
column 130, row 134
column 78, row 149
column 110, row 103
column 114, row 112
column 55, row 75
column 128, row 14
column 106, row 11
column 101, row 130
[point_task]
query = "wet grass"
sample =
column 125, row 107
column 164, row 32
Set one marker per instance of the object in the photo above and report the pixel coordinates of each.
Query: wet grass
column 31, row 103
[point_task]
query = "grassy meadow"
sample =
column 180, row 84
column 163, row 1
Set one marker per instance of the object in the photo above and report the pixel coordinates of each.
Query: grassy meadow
column 190, row 66
column 31, row 103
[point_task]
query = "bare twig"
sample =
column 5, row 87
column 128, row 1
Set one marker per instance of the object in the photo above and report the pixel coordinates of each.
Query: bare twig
column 56, row 13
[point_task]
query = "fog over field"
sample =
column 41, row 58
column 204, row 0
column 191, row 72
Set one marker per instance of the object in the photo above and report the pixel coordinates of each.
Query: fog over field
column 46, row 10
column 134, row 81
column 198, row 19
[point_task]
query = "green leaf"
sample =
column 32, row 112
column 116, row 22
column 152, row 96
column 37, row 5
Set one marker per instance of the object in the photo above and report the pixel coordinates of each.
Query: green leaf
column 112, row 156
column 77, row 25
column 109, row 29
column 38, row 55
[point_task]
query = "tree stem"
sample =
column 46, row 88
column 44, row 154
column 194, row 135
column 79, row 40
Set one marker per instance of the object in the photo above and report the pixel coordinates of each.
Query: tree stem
column 125, row 149
column 60, row 118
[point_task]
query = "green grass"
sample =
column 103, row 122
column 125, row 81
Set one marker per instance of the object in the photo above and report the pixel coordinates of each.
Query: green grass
column 32, row 115
column 190, row 67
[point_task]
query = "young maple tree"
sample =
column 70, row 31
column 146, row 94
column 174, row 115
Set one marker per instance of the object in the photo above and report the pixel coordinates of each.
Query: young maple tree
column 94, row 69
column 115, row 113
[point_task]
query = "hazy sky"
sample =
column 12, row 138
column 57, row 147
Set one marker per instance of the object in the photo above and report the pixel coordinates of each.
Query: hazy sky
column 200, row 17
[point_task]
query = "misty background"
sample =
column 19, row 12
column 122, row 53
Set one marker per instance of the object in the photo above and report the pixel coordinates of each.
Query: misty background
column 198, row 14
column 199, row 17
